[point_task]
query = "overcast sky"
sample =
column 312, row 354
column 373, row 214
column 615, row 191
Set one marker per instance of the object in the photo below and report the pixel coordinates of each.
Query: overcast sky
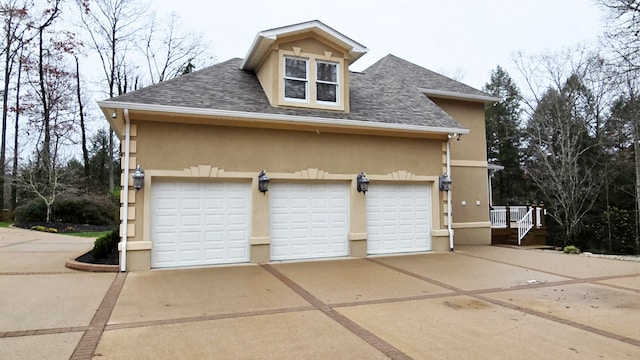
column 463, row 38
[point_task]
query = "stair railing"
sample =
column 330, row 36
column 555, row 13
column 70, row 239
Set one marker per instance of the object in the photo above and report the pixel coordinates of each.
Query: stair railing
column 525, row 225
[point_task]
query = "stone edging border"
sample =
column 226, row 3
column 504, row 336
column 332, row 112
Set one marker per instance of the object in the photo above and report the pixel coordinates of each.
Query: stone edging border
column 77, row 265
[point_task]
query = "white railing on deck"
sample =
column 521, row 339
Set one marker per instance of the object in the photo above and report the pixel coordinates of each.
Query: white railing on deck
column 498, row 218
column 515, row 212
column 498, row 215
column 540, row 213
column 524, row 225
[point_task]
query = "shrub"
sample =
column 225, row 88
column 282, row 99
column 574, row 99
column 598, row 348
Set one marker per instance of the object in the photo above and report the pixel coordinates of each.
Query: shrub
column 52, row 230
column 39, row 228
column 33, row 210
column 571, row 250
column 84, row 209
column 105, row 245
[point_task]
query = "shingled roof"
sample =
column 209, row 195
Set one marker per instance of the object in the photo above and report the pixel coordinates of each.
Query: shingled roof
column 391, row 91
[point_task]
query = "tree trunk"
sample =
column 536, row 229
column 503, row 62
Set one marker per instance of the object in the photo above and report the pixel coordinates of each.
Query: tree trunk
column 5, row 108
column 46, row 146
column 636, row 148
column 85, row 151
column 14, row 170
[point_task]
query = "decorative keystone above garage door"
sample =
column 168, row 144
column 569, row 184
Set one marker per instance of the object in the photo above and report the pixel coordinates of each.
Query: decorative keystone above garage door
column 309, row 220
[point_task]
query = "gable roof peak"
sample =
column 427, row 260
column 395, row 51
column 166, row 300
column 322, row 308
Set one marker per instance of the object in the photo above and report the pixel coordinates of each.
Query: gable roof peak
column 402, row 72
column 266, row 38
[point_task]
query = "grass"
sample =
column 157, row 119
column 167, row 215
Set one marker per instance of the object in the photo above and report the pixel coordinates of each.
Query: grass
column 95, row 234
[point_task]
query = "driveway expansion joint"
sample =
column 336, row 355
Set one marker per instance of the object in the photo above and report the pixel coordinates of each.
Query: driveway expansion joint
column 364, row 334
column 89, row 341
column 477, row 294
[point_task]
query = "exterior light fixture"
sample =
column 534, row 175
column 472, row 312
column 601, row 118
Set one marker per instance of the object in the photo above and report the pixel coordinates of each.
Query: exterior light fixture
column 114, row 115
column 445, row 182
column 263, row 182
column 363, row 183
column 138, row 178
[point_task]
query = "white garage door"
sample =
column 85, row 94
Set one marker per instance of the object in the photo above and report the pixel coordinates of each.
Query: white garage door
column 309, row 220
column 199, row 223
column 398, row 218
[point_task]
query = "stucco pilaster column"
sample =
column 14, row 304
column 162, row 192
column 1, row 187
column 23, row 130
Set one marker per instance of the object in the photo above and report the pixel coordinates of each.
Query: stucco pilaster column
column 358, row 222
column 260, row 240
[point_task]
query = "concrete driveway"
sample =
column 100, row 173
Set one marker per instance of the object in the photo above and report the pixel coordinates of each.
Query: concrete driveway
column 477, row 303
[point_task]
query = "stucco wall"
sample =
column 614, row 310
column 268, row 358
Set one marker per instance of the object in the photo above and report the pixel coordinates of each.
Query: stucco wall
column 470, row 196
column 166, row 149
column 178, row 146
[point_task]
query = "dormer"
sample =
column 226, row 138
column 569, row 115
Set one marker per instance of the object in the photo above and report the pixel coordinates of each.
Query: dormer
column 304, row 65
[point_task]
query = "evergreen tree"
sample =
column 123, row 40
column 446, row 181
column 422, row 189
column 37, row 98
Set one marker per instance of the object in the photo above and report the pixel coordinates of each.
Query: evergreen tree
column 504, row 138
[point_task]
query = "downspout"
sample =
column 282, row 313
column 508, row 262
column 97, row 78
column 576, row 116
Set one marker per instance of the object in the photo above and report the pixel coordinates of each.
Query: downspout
column 125, row 197
column 449, row 217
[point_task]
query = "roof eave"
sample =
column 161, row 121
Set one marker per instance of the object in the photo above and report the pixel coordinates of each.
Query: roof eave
column 443, row 94
column 111, row 106
column 265, row 39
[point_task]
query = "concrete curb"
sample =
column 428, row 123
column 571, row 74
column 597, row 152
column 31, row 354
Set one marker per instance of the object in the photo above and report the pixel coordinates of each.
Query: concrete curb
column 77, row 265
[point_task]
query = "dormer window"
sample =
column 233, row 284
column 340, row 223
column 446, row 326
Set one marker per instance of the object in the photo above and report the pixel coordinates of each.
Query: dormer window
column 326, row 82
column 296, row 79
column 312, row 81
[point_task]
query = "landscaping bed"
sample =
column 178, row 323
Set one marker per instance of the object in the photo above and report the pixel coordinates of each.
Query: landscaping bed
column 111, row 258
column 63, row 228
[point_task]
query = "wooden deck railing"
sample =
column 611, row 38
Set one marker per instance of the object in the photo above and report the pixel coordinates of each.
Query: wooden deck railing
column 524, row 218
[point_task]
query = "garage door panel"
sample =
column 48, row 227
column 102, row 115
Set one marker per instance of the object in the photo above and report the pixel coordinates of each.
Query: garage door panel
column 398, row 218
column 307, row 219
column 198, row 223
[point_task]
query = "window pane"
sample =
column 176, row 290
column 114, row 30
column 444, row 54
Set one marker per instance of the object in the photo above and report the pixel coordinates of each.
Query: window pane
column 295, row 89
column 327, row 72
column 296, row 68
column 326, row 92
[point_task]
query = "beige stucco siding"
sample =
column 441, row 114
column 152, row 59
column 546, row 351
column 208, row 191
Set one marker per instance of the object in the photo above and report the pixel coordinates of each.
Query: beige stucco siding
column 247, row 149
column 470, row 196
column 312, row 45
column 267, row 74
column 313, row 48
column 471, row 116
column 196, row 152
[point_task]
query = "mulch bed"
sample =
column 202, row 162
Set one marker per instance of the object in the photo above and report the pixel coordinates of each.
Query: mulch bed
column 112, row 259
column 67, row 227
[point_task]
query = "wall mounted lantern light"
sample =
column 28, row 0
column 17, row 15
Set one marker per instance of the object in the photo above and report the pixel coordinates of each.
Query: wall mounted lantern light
column 362, row 183
column 138, row 178
column 445, row 182
column 263, row 182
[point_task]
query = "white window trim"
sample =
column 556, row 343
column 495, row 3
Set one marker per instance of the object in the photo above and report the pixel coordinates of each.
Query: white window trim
column 285, row 78
column 337, row 83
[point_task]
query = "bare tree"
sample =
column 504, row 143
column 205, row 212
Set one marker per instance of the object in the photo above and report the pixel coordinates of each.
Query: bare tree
column 168, row 50
column 622, row 30
column 621, row 40
column 562, row 136
column 50, row 104
column 83, row 128
column 112, row 26
column 15, row 16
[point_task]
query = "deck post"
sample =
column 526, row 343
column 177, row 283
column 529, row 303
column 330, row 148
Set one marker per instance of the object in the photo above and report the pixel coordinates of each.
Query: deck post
column 542, row 217
column 534, row 215
column 508, row 216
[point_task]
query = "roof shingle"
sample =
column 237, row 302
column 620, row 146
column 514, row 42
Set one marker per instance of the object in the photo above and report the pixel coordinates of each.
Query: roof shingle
column 386, row 92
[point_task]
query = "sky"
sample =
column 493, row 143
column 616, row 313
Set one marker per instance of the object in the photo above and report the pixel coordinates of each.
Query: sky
column 464, row 39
